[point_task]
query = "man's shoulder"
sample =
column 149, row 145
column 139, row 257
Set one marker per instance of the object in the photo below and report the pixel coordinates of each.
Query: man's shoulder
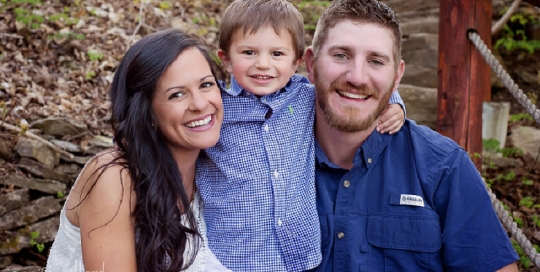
column 424, row 138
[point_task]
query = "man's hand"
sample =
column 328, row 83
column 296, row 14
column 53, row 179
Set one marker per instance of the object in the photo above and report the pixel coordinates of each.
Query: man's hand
column 391, row 120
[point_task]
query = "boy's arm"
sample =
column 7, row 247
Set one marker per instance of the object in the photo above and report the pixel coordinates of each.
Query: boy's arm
column 393, row 117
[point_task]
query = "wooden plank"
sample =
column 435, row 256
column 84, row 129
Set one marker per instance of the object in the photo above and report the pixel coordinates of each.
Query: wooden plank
column 464, row 79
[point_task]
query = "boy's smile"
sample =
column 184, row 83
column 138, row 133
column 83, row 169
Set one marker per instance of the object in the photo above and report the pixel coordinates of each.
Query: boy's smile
column 261, row 62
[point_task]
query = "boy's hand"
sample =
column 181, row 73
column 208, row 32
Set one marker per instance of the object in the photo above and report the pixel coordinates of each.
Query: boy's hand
column 391, row 120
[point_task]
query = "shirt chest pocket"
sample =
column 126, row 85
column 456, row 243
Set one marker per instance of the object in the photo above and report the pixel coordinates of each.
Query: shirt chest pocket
column 406, row 243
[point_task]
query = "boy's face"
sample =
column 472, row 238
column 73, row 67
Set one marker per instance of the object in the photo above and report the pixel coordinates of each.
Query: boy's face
column 263, row 62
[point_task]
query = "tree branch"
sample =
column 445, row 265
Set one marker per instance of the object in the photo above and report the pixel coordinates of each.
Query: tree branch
column 497, row 27
column 37, row 138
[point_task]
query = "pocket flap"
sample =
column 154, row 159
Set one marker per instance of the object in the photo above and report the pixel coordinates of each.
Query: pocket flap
column 406, row 233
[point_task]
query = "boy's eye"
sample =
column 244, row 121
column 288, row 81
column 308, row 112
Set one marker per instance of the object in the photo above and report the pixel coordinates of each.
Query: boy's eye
column 277, row 54
column 248, row 52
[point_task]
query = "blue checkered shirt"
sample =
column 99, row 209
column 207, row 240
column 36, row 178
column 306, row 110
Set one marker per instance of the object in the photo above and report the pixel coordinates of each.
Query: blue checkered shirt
column 257, row 183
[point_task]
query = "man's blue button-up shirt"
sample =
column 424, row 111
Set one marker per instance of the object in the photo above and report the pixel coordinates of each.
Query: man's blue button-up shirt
column 413, row 201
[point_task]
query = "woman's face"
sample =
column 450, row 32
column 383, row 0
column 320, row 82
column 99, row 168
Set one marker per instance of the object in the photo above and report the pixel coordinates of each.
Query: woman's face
column 187, row 103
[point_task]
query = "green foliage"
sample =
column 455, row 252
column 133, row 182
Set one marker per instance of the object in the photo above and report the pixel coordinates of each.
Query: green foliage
column 311, row 11
column 60, row 194
column 89, row 75
column 517, row 39
column 493, row 146
column 526, row 181
column 536, row 220
column 519, row 117
column 68, row 35
column 523, row 259
column 34, row 235
column 94, row 55
column 28, row 17
column 527, row 202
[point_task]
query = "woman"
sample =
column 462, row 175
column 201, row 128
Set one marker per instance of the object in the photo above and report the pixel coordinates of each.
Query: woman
column 135, row 207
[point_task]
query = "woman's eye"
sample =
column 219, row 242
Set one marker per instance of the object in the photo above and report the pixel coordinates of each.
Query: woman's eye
column 176, row 95
column 208, row 84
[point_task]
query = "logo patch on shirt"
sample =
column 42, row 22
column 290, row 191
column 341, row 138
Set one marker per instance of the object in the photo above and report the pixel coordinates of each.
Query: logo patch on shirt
column 411, row 200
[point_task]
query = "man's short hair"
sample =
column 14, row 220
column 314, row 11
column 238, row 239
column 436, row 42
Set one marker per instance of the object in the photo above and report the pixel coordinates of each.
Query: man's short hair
column 250, row 15
column 362, row 11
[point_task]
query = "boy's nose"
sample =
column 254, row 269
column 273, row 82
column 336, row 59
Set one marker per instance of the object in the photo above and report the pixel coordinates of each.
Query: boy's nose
column 263, row 62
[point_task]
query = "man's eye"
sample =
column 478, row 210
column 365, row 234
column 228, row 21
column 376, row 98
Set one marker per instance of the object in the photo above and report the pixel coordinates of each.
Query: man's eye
column 340, row 56
column 377, row 62
column 248, row 52
column 277, row 54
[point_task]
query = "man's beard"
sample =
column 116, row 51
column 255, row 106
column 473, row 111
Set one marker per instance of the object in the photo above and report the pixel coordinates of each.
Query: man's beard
column 351, row 121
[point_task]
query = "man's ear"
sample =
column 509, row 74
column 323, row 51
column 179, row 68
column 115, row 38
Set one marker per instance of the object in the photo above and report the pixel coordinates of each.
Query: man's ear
column 399, row 73
column 225, row 61
column 309, row 59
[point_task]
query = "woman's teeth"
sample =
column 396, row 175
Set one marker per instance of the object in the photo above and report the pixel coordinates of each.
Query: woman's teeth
column 200, row 123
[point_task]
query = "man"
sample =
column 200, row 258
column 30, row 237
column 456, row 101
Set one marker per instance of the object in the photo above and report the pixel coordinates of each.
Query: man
column 412, row 201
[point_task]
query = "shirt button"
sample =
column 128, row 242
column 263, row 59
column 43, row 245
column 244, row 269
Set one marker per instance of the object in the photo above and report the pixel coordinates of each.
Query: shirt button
column 279, row 222
column 276, row 174
column 340, row 235
column 369, row 160
column 346, row 184
column 266, row 128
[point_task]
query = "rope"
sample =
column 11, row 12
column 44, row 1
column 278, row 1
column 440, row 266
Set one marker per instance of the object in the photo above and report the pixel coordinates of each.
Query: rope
column 504, row 217
column 504, row 76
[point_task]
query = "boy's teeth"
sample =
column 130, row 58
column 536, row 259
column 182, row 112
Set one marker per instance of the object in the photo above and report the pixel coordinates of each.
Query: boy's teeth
column 351, row 95
column 262, row 77
column 199, row 123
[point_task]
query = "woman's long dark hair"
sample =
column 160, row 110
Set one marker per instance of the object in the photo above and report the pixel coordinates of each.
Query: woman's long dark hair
column 161, row 198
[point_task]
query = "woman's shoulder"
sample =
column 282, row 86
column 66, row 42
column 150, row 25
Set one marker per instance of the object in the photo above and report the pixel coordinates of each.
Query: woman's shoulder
column 103, row 183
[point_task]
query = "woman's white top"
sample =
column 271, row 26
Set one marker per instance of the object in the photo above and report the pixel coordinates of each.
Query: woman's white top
column 66, row 251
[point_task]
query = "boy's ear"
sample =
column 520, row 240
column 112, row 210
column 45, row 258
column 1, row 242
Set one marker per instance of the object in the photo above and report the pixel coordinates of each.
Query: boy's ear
column 297, row 63
column 225, row 61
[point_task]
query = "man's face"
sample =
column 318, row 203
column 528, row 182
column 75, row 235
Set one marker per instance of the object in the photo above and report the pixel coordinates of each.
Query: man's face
column 354, row 75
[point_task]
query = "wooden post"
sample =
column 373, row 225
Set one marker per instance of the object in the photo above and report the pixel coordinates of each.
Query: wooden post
column 464, row 76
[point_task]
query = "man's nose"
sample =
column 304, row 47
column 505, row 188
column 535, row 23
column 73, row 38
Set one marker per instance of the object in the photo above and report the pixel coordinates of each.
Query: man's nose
column 357, row 74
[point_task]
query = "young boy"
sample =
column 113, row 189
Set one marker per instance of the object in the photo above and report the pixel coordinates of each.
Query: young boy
column 257, row 183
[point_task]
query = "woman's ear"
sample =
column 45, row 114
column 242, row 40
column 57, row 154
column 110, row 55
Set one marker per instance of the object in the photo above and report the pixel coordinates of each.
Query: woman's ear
column 225, row 61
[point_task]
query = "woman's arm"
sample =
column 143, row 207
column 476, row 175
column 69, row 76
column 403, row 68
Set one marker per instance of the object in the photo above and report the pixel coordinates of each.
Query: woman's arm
column 106, row 223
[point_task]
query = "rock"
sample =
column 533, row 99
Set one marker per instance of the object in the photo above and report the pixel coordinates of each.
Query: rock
column 45, row 230
column 527, row 139
column 421, row 104
column 27, row 147
column 5, row 261
column 82, row 160
column 400, row 6
column 493, row 160
column 42, row 185
column 5, row 151
column 41, row 170
column 18, row 268
column 68, row 146
column 35, row 210
column 420, row 53
column 59, row 126
column 102, row 141
column 13, row 200
column 420, row 25
column 70, row 169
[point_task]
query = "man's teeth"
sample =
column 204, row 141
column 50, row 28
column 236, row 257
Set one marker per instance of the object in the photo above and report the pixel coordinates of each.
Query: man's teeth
column 354, row 96
column 200, row 123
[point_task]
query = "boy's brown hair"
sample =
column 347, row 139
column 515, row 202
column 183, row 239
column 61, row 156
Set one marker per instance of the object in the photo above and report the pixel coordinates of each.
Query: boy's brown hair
column 362, row 11
column 250, row 15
